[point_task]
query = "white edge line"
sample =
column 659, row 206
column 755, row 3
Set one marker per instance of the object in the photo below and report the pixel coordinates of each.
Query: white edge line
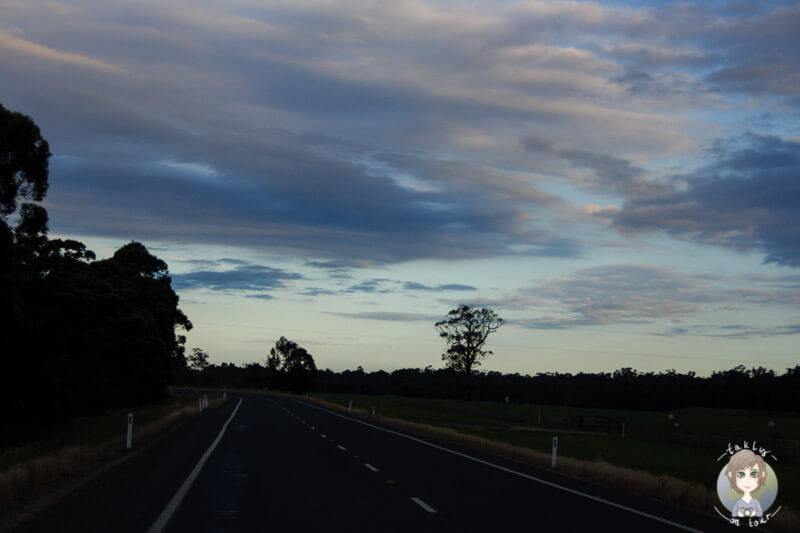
column 172, row 506
column 371, row 467
column 423, row 505
column 504, row 469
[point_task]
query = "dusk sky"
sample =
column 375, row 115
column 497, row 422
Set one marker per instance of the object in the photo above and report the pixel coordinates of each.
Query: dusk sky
column 620, row 181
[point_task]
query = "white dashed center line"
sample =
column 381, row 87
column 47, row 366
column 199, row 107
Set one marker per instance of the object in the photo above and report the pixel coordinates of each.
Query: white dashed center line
column 323, row 435
column 371, row 467
column 341, row 447
column 423, row 505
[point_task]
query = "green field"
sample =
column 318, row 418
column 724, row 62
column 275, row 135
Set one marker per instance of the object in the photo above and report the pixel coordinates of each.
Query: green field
column 652, row 442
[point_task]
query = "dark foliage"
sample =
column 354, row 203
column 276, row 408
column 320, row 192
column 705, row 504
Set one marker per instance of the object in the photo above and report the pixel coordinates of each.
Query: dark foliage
column 79, row 336
column 738, row 388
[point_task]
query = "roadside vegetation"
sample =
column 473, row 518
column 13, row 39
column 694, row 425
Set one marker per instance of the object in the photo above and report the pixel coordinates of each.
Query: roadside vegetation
column 81, row 445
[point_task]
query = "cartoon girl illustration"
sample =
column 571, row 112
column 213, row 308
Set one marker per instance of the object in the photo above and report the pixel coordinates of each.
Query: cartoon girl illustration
column 746, row 472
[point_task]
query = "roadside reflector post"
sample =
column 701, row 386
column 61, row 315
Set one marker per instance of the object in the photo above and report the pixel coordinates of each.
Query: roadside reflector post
column 199, row 404
column 129, row 440
column 224, row 394
column 205, row 401
column 373, row 410
column 350, row 407
column 555, row 453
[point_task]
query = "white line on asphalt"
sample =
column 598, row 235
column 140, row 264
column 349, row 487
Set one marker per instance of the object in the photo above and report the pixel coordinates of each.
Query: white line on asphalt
column 172, row 506
column 504, row 469
column 423, row 505
column 371, row 467
column 341, row 447
column 323, row 436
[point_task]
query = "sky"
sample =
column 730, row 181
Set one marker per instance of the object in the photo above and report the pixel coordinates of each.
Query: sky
column 619, row 181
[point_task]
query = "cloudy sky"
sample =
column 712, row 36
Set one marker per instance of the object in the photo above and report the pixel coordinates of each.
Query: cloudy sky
column 620, row 181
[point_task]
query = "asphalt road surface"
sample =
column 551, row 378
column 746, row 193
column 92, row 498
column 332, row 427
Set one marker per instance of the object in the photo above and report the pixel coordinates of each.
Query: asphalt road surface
column 272, row 463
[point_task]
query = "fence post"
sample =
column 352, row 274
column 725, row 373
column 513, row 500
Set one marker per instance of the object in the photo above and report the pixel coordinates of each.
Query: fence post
column 129, row 439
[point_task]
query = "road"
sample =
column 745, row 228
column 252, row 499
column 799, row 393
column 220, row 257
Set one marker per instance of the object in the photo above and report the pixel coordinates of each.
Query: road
column 286, row 465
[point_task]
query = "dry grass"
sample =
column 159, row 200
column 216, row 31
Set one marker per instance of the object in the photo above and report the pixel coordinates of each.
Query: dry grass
column 27, row 479
column 660, row 487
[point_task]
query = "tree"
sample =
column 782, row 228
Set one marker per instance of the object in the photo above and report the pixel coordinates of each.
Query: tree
column 465, row 331
column 79, row 335
column 24, row 159
column 198, row 361
column 293, row 365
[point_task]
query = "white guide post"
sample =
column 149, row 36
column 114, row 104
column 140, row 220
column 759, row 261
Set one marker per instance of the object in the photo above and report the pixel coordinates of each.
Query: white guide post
column 129, row 439
column 199, row 404
column 555, row 453
column 350, row 407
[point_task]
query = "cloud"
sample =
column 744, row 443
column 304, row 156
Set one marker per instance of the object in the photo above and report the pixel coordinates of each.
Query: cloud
column 647, row 294
column 609, row 172
column 371, row 134
column 613, row 294
column 242, row 278
column 414, row 286
column 732, row 331
column 387, row 316
column 747, row 198
column 370, row 286
column 17, row 45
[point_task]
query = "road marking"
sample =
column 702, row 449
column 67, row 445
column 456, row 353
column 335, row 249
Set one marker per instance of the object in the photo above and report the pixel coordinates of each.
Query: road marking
column 371, row 467
column 510, row 471
column 341, row 447
column 423, row 505
column 172, row 506
column 323, row 436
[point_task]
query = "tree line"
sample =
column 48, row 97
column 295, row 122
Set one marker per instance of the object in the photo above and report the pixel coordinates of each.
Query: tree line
column 626, row 388
column 79, row 335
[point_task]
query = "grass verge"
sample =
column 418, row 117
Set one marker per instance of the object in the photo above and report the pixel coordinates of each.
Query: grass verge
column 28, row 471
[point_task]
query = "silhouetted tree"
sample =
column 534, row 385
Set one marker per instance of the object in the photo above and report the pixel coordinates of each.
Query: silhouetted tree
column 466, row 330
column 79, row 336
column 198, row 360
column 24, row 159
column 295, row 366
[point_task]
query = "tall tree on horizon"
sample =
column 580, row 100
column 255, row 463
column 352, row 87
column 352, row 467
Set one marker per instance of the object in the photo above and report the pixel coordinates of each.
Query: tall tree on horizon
column 466, row 329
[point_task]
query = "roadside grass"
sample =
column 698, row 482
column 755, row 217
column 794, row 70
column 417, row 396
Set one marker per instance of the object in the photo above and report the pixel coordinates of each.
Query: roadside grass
column 678, row 465
column 80, row 445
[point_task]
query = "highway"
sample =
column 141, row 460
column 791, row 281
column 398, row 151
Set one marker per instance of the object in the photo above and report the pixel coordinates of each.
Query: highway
column 274, row 463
